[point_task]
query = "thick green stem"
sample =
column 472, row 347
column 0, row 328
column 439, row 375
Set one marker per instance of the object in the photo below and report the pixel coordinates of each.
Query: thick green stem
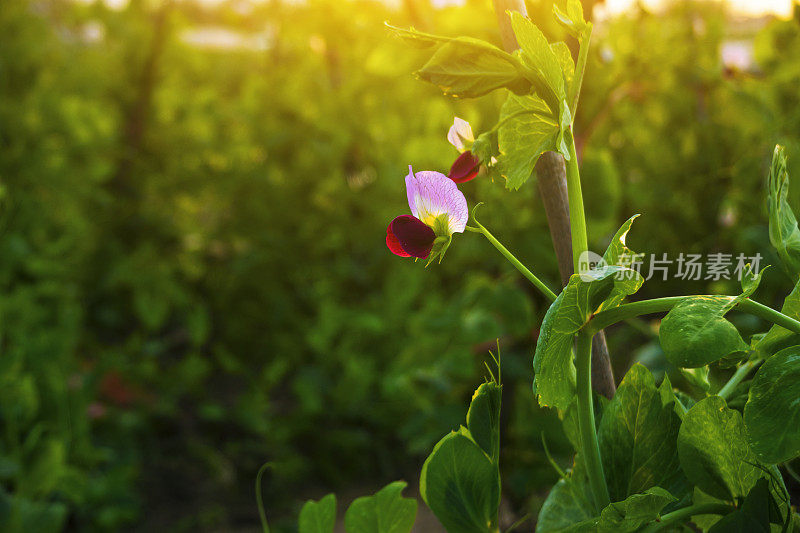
column 609, row 317
column 767, row 313
column 737, row 378
column 577, row 218
column 674, row 517
column 603, row 319
column 589, row 446
column 514, row 261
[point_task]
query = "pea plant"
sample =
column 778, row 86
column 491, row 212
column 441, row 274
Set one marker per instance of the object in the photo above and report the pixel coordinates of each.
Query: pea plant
column 652, row 458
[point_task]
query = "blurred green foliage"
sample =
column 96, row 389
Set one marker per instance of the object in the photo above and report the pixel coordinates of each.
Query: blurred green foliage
column 192, row 264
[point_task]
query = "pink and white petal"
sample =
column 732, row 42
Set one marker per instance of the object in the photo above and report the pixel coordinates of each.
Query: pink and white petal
column 435, row 194
column 459, row 133
column 412, row 191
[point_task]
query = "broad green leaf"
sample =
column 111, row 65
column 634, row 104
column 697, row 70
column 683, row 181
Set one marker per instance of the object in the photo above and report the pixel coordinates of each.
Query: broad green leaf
column 564, row 56
column 384, row 512
column 695, row 333
column 778, row 338
column 585, row 294
column 569, row 502
column 713, row 450
column 772, row 412
column 540, row 61
column 554, row 370
column 483, row 418
column 461, row 485
column 783, row 231
column 573, row 18
column 634, row 511
column 567, row 511
column 467, row 67
column 528, row 130
column 318, row 517
column 638, row 437
column 754, row 516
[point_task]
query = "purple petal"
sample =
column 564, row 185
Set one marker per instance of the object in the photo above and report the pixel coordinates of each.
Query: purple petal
column 415, row 238
column 465, row 167
column 431, row 194
column 394, row 244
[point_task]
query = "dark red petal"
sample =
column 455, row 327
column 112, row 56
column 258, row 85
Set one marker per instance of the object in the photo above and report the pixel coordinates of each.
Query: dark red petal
column 394, row 243
column 414, row 236
column 465, row 167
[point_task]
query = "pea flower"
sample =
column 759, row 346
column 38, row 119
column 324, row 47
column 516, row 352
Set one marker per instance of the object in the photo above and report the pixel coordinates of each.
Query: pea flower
column 438, row 209
column 467, row 165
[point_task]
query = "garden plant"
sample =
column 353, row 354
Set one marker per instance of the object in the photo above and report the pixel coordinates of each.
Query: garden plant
column 652, row 457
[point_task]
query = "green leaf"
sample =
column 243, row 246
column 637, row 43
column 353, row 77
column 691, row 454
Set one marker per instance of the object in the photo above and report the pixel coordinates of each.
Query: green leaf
column 751, row 281
column 586, row 293
column 318, row 517
column 461, row 485
column 384, row 512
column 483, row 418
column 573, row 19
column 484, row 147
column 554, row 370
column 704, row 521
column 564, row 56
column 568, row 503
column 528, row 130
column 467, row 67
column 566, row 510
column 638, row 437
column 772, row 412
column 697, row 377
column 618, row 252
column 783, row 231
column 713, row 450
column 695, row 333
column 634, row 511
column 544, row 68
column 778, row 338
column 754, row 516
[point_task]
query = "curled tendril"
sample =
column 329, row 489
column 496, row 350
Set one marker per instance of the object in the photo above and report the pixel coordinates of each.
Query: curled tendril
column 261, row 513
column 472, row 214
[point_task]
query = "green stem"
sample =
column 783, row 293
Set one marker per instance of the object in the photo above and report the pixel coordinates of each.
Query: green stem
column 687, row 512
column 577, row 218
column 769, row 314
column 603, row 319
column 580, row 68
column 514, row 261
column 589, row 446
column 609, row 317
column 737, row 378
